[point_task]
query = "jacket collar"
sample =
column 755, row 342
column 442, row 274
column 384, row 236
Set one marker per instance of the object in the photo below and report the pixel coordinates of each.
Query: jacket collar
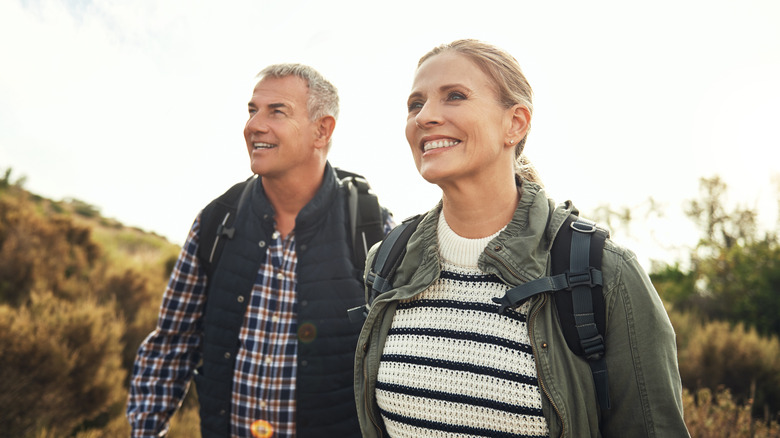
column 518, row 254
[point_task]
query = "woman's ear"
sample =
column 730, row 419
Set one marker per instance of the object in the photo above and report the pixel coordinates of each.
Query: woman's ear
column 519, row 122
column 325, row 127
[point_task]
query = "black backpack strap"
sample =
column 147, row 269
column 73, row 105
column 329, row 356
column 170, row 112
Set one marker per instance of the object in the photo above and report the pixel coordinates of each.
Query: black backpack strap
column 387, row 259
column 588, row 314
column 577, row 281
column 216, row 224
column 365, row 214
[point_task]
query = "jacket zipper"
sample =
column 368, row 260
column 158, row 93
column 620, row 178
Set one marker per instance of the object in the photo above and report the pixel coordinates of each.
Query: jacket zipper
column 539, row 377
column 508, row 268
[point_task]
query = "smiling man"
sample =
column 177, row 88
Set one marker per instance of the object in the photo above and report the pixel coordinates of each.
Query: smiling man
column 256, row 307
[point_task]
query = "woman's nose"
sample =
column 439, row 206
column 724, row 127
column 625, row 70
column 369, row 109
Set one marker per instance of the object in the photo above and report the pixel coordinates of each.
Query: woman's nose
column 428, row 116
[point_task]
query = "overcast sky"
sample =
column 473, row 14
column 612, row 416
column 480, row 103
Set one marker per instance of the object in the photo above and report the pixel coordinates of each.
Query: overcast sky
column 138, row 107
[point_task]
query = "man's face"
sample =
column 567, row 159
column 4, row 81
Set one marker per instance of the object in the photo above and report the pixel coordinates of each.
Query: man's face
column 279, row 135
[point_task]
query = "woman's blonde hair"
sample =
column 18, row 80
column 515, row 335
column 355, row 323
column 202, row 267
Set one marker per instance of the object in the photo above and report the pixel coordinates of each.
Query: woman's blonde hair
column 505, row 74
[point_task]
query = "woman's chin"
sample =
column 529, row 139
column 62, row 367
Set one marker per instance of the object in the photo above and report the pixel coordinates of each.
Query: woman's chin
column 435, row 176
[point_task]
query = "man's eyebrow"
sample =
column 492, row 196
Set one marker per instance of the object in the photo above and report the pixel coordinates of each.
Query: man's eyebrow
column 278, row 105
column 274, row 105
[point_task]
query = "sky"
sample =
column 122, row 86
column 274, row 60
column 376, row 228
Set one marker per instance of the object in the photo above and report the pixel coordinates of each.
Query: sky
column 138, row 107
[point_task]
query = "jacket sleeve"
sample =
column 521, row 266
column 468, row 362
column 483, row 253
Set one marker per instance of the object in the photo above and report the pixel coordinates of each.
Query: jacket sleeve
column 167, row 358
column 641, row 354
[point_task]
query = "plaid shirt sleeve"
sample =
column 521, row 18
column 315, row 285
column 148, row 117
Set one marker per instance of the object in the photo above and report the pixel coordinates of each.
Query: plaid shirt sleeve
column 167, row 358
column 389, row 221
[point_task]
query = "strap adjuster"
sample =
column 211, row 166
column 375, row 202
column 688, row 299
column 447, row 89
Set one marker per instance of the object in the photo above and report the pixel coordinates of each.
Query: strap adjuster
column 586, row 278
column 593, row 347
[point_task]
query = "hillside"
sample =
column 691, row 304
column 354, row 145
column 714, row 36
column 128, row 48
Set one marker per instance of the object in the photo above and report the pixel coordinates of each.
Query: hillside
column 78, row 292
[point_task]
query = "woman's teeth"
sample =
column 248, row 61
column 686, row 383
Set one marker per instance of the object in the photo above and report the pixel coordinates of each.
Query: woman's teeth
column 436, row 144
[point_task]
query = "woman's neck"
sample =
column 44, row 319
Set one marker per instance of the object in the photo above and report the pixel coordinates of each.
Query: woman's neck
column 479, row 210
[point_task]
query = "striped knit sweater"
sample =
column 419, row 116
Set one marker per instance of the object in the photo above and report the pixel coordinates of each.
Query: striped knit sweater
column 452, row 366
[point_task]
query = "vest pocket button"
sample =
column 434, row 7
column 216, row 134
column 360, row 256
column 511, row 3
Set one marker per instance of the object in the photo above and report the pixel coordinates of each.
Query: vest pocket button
column 227, row 355
column 240, row 299
column 261, row 244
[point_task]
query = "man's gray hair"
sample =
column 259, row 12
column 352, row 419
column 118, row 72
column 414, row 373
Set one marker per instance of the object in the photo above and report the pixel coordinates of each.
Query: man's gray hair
column 323, row 96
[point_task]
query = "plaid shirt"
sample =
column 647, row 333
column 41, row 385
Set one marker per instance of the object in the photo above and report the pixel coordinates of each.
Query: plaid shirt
column 265, row 369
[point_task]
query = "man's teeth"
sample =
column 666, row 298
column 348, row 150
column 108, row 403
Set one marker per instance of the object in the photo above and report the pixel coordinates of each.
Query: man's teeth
column 264, row 145
column 439, row 144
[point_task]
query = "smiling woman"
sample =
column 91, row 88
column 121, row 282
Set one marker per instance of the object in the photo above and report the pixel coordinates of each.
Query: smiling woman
column 489, row 370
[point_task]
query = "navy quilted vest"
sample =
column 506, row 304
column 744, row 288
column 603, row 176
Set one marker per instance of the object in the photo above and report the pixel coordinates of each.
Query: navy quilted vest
column 327, row 286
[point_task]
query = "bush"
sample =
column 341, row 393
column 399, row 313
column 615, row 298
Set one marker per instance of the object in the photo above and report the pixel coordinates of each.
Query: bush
column 36, row 254
column 719, row 355
column 61, row 365
column 713, row 416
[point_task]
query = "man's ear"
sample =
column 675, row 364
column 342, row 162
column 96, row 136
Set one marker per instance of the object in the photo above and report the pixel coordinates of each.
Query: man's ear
column 325, row 127
column 520, row 121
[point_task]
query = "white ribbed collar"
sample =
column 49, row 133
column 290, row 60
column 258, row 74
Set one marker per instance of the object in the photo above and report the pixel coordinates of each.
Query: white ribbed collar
column 459, row 250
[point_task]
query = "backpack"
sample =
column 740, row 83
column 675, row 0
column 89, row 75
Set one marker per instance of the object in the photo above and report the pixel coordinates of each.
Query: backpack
column 365, row 219
column 576, row 279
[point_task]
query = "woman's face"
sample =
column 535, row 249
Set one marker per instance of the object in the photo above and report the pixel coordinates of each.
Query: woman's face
column 456, row 127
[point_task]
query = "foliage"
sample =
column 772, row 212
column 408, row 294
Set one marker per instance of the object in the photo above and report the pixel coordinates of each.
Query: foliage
column 735, row 272
column 40, row 254
column 61, row 364
column 720, row 228
column 76, row 299
column 716, row 354
column 675, row 286
column 716, row 415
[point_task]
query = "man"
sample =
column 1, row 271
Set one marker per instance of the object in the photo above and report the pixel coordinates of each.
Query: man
column 272, row 345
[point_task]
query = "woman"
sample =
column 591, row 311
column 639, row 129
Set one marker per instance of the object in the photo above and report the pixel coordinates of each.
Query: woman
column 435, row 356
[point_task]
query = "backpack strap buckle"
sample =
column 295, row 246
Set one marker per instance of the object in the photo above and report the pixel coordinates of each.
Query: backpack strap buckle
column 591, row 277
column 594, row 347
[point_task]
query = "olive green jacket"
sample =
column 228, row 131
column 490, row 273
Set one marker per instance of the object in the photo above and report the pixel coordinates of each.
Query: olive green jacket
column 641, row 355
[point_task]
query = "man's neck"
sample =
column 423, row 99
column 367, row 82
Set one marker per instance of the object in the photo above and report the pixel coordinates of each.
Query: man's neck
column 289, row 194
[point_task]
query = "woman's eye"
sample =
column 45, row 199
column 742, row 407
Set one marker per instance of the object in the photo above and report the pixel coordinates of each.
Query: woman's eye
column 456, row 95
column 416, row 105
